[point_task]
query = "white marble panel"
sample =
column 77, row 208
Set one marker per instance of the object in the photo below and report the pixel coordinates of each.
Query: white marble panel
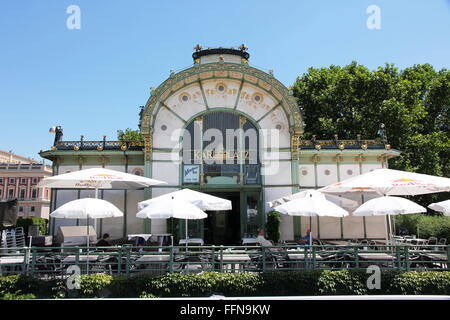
column 250, row 104
column 326, row 174
column 307, row 175
column 187, row 101
column 287, row 225
column 117, row 168
column 167, row 130
column 353, row 227
column 348, row 171
column 370, row 167
column 134, row 225
column 275, row 128
column 166, row 156
column 114, row 226
column 276, row 172
column 330, row 228
column 221, row 93
column 62, row 197
column 166, row 171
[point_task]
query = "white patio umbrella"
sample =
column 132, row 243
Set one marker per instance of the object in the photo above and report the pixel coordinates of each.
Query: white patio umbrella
column 443, row 206
column 84, row 209
column 201, row 200
column 390, row 182
column 312, row 204
column 346, row 204
column 98, row 178
column 388, row 205
column 171, row 207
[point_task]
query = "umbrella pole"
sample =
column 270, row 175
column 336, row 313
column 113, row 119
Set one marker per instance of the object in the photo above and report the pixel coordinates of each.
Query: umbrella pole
column 186, row 231
column 95, row 220
column 87, row 245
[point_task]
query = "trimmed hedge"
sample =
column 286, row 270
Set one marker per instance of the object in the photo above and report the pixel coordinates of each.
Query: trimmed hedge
column 341, row 282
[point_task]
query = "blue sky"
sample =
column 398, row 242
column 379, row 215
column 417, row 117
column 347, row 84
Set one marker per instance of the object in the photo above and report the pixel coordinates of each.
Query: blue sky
column 93, row 80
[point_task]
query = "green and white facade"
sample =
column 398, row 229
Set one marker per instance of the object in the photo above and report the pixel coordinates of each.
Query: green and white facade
column 221, row 91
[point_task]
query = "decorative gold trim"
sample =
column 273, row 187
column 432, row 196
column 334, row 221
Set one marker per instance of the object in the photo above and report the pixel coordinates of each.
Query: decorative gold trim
column 315, row 158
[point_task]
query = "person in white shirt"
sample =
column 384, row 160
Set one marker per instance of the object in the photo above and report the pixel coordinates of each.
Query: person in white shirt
column 262, row 240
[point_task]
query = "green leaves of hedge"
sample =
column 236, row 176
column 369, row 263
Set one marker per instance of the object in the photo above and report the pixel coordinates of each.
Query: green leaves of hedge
column 341, row 282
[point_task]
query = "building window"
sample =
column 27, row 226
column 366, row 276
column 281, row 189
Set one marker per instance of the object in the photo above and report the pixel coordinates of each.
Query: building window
column 21, row 210
column 10, row 193
column 23, row 180
column 35, row 180
column 33, row 209
column 1, row 192
column 1, row 180
column 34, row 194
column 22, row 194
column 12, row 180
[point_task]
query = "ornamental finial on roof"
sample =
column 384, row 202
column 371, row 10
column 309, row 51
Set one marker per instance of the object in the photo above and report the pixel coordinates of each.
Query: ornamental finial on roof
column 243, row 47
column 198, row 48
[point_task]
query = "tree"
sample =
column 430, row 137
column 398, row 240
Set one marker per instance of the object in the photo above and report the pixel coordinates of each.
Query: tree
column 129, row 135
column 414, row 105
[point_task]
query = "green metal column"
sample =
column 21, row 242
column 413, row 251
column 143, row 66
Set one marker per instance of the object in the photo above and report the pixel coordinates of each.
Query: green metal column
column 147, row 193
column 296, row 188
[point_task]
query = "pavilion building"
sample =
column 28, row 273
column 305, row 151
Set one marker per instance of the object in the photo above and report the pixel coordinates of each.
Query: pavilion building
column 226, row 128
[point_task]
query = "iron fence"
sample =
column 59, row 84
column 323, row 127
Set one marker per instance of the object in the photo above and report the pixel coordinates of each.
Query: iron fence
column 46, row 262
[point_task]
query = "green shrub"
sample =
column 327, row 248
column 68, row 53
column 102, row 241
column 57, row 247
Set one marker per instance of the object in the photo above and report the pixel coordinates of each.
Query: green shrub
column 342, row 282
column 423, row 283
column 26, row 222
column 273, row 226
column 95, row 285
column 426, row 226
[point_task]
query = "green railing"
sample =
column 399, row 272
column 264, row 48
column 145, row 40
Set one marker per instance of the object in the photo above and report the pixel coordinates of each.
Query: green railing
column 129, row 260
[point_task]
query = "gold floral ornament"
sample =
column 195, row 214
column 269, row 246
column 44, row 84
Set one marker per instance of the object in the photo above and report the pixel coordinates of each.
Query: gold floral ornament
column 76, row 148
column 318, row 146
column 123, row 147
column 99, row 148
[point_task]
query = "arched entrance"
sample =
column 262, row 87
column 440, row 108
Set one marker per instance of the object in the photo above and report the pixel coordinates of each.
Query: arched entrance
column 220, row 152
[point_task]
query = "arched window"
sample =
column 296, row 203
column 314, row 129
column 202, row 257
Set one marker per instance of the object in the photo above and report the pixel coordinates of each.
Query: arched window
column 225, row 145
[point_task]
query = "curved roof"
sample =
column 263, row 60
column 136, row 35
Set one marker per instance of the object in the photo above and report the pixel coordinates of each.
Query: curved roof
column 236, row 71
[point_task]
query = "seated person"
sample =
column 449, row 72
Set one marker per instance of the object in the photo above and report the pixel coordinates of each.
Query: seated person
column 308, row 239
column 104, row 242
column 262, row 240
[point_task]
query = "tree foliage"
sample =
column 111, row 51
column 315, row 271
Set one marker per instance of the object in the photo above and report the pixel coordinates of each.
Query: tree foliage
column 129, row 135
column 414, row 105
